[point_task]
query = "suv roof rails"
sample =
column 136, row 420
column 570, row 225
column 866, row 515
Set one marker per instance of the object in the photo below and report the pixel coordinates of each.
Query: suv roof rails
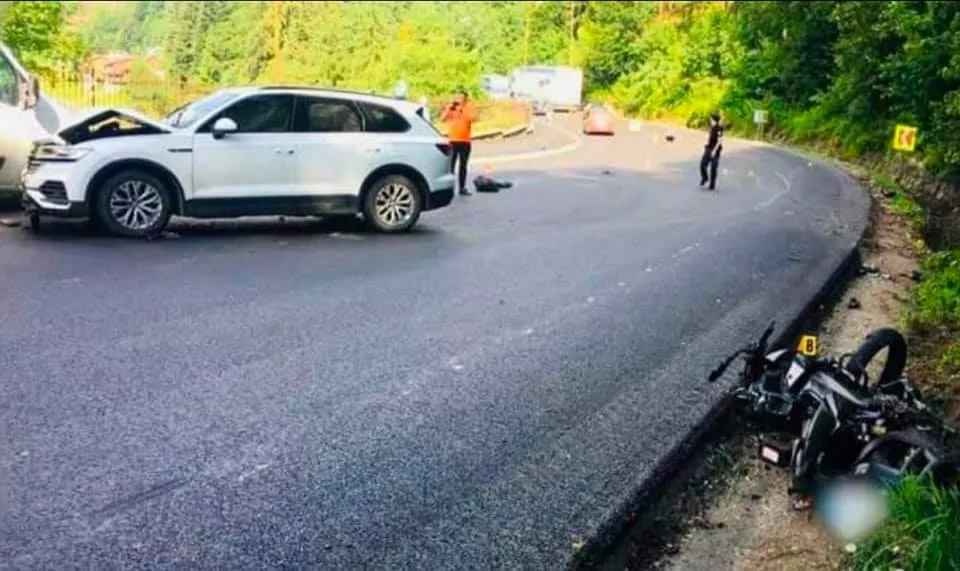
column 314, row 88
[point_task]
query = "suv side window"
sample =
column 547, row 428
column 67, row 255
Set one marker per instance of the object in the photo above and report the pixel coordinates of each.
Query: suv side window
column 381, row 119
column 9, row 92
column 318, row 115
column 258, row 114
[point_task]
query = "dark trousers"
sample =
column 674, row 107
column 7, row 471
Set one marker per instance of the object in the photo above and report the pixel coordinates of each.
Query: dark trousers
column 711, row 158
column 461, row 156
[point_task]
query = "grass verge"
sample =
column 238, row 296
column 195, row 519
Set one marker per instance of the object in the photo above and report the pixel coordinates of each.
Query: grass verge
column 922, row 534
column 923, row 531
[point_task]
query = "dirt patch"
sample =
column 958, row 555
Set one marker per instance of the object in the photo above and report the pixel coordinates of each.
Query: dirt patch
column 746, row 521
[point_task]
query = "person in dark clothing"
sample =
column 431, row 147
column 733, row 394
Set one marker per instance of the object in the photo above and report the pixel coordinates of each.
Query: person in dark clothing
column 458, row 163
column 711, row 152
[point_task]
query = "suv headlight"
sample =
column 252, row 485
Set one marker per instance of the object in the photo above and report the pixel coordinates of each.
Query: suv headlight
column 61, row 153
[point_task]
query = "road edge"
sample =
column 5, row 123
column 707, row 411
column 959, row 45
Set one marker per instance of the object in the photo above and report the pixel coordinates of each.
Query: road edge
column 603, row 538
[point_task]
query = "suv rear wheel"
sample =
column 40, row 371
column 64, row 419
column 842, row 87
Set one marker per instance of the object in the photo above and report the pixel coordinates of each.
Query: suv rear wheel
column 134, row 203
column 392, row 204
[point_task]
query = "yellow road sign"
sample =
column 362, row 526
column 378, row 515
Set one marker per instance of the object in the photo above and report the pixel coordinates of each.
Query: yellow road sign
column 904, row 138
column 808, row 346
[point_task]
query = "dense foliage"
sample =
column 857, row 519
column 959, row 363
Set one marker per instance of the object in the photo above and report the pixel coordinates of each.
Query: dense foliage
column 839, row 72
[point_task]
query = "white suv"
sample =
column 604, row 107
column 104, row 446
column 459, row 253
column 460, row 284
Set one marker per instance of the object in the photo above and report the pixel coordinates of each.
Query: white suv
column 245, row 152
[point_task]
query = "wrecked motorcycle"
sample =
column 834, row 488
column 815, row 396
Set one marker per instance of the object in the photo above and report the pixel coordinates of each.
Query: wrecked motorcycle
column 839, row 423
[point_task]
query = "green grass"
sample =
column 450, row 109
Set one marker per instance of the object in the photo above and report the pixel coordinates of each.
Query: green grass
column 949, row 365
column 922, row 534
column 936, row 300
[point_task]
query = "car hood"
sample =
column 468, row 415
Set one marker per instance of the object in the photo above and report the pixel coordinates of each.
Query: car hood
column 105, row 123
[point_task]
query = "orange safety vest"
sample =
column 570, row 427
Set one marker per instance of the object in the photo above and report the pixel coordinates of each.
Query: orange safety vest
column 459, row 123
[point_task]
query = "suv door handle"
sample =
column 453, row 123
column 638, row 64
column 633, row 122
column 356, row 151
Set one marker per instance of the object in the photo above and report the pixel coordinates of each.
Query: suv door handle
column 283, row 151
column 372, row 148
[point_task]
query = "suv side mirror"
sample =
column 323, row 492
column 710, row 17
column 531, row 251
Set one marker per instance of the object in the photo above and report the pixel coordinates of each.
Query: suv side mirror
column 223, row 126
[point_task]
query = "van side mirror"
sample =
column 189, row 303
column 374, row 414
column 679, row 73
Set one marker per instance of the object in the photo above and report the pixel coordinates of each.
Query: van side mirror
column 29, row 92
column 223, row 126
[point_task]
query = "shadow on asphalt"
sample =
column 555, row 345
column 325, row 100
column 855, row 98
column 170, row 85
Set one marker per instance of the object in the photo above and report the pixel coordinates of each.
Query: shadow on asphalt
column 265, row 226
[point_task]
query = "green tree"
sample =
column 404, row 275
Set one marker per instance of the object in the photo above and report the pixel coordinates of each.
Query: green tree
column 789, row 49
column 36, row 31
column 189, row 25
column 609, row 40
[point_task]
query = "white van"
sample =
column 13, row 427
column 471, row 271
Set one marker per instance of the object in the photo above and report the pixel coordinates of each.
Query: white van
column 558, row 87
column 25, row 116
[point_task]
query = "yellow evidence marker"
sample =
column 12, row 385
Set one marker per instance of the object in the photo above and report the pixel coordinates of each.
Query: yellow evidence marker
column 809, row 345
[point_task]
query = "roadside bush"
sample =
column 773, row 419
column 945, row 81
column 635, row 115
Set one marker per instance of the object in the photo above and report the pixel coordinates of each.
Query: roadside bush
column 949, row 365
column 703, row 98
column 936, row 301
column 922, row 533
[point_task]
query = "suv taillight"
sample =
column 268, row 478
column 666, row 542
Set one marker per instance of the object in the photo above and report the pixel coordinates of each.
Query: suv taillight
column 444, row 148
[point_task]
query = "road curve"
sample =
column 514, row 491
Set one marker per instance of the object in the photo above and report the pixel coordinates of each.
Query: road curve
column 480, row 393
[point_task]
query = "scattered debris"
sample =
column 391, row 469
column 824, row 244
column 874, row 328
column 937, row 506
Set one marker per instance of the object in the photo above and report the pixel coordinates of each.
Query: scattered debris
column 484, row 183
column 670, row 138
column 606, row 172
column 854, row 303
column 869, row 269
column 10, row 222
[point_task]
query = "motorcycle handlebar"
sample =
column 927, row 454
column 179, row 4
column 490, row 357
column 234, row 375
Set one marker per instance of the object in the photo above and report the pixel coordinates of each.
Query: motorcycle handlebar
column 762, row 344
column 718, row 372
column 760, row 347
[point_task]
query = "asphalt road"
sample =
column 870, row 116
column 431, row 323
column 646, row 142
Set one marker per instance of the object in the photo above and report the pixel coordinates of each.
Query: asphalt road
column 480, row 393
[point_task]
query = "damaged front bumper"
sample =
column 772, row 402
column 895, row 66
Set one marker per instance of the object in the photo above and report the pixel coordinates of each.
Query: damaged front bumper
column 33, row 202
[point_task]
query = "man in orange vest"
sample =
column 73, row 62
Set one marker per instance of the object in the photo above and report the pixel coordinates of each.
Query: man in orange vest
column 459, row 116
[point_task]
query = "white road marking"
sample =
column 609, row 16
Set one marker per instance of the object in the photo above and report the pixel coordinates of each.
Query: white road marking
column 786, row 188
column 497, row 159
column 786, row 181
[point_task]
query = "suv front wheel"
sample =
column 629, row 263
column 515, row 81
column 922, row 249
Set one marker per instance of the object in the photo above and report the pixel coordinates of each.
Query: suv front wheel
column 134, row 203
column 392, row 204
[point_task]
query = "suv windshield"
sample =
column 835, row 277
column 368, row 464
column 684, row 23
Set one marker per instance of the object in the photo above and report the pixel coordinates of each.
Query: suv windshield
column 192, row 112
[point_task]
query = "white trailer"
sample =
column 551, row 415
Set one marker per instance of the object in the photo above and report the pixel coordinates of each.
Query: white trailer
column 559, row 87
